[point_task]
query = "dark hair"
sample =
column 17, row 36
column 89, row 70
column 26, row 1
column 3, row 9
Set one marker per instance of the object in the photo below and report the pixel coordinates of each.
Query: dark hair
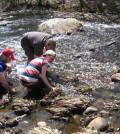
column 51, row 42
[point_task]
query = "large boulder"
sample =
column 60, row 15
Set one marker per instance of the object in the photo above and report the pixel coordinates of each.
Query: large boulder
column 115, row 77
column 60, row 26
column 99, row 123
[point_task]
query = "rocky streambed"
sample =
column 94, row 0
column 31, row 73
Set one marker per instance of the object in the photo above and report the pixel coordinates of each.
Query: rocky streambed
column 82, row 71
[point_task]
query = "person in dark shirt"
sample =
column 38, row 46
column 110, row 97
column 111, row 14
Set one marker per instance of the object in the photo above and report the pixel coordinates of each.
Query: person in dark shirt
column 37, row 43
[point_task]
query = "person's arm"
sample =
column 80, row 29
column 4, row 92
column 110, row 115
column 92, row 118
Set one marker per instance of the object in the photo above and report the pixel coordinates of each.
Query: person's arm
column 8, row 68
column 5, row 84
column 43, row 77
column 44, row 50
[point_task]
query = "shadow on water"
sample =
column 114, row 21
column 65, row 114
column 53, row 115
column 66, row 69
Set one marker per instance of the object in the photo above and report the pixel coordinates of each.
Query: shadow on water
column 91, row 56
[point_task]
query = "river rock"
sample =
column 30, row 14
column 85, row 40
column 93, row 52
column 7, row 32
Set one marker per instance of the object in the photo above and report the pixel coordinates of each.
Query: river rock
column 11, row 131
column 64, row 106
column 7, row 121
column 98, row 123
column 90, row 110
column 116, row 77
column 60, row 26
column 43, row 128
column 105, row 113
column 22, row 106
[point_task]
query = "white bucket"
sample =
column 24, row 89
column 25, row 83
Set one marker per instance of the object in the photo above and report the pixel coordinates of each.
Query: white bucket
column 20, row 69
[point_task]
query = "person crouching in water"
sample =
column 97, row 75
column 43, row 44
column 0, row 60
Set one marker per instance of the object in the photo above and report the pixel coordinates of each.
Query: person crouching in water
column 34, row 75
column 6, row 56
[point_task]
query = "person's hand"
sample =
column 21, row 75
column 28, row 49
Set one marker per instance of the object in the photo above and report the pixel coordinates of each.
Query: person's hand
column 55, row 89
column 13, row 90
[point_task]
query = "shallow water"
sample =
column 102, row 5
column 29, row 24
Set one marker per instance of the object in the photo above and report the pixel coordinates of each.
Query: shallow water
column 73, row 58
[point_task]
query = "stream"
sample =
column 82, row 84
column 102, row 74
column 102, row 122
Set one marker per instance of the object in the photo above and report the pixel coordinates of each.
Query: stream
column 91, row 55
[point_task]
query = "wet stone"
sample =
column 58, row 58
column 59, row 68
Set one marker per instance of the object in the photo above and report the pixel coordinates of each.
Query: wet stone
column 22, row 106
column 12, row 131
column 43, row 128
column 112, row 106
column 5, row 100
column 7, row 121
column 90, row 110
column 49, row 98
column 99, row 123
column 64, row 106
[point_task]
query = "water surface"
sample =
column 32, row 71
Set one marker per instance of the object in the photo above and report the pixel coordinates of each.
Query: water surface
column 74, row 57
